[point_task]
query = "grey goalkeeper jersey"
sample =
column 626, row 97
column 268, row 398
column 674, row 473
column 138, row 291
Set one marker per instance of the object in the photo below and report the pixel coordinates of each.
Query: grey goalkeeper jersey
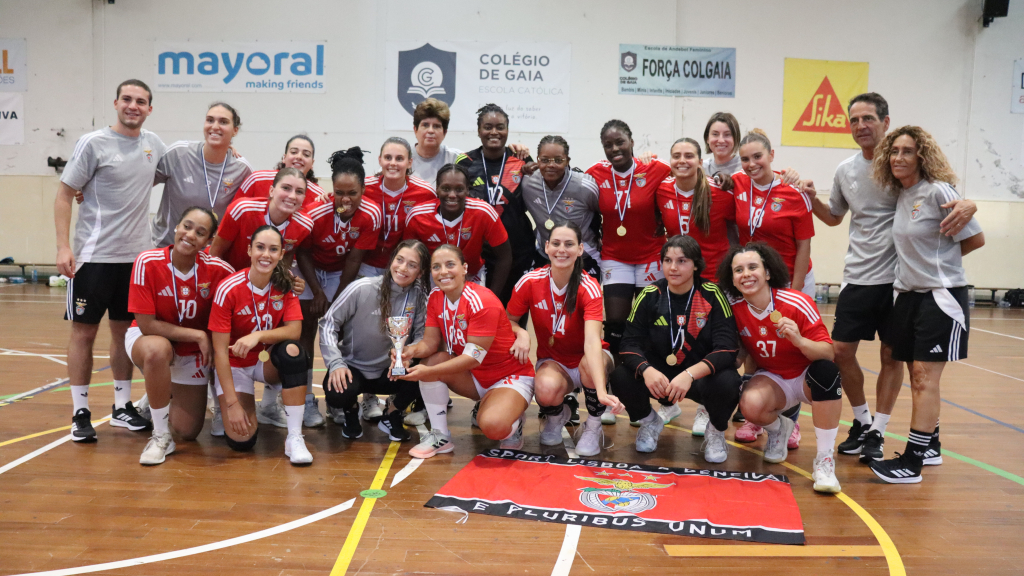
column 115, row 174
column 928, row 259
column 187, row 183
column 871, row 255
column 351, row 333
column 576, row 202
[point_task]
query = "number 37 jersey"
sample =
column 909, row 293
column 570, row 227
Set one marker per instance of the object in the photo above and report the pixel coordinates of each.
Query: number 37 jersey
column 771, row 351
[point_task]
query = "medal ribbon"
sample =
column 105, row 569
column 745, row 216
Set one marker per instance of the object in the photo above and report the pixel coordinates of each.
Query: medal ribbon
column 174, row 286
column 619, row 195
column 679, row 336
column 493, row 192
column 216, row 191
column 559, row 313
column 398, row 206
column 256, row 309
column 679, row 209
column 568, row 176
column 755, row 216
column 444, row 320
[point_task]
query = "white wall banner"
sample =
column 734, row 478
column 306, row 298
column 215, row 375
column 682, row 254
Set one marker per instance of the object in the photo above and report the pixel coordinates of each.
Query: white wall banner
column 12, row 118
column 239, row 67
column 529, row 80
column 677, row 71
column 13, row 65
column 1017, row 101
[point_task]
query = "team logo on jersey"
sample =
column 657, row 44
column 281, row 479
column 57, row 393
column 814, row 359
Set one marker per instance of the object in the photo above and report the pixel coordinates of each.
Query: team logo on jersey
column 686, row 206
column 392, row 206
column 916, row 211
column 185, row 291
column 517, row 176
column 628, row 61
column 149, row 154
column 641, row 179
column 425, row 72
column 353, row 232
column 619, row 495
column 261, row 306
column 466, row 233
column 276, row 302
column 702, row 319
column 461, row 320
column 680, row 320
column 408, row 205
column 80, row 306
column 777, row 204
column 607, row 274
column 758, row 201
column 762, row 330
column 569, row 203
column 204, row 290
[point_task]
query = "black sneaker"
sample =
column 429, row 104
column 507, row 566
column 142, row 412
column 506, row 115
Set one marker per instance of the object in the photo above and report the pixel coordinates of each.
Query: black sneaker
column 933, row 455
column 871, row 448
column 472, row 415
column 855, row 439
column 738, row 416
column 81, row 426
column 392, row 424
column 352, row 428
column 128, row 417
column 898, row 470
column 574, row 407
column 452, row 404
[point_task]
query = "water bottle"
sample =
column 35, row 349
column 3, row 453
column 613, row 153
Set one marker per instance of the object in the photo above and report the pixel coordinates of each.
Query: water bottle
column 35, row 276
column 970, row 296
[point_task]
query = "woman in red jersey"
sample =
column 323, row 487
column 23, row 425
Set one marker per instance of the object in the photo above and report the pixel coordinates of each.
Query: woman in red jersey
column 476, row 361
column 298, row 154
column 256, row 322
column 566, row 307
column 781, row 330
column 171, row 292
column 631, row 228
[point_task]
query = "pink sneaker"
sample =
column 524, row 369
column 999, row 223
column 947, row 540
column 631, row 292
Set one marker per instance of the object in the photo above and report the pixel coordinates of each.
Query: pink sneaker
column 794, row 438
column 748, row 432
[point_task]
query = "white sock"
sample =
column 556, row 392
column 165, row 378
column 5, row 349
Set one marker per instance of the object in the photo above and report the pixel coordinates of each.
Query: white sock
column 161, row 418
column 515, row 428
column 309, row 381
column 775, row 427
column 826, row 439
column 863, row 414
column 880, row 422
column 270, row 394
column 435, row 398
column 122, row 393
column 80, row 397
column 294, row 415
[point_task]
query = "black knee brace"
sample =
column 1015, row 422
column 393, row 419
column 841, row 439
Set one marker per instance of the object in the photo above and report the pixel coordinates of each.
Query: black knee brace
column 824, row 381
column 244, row 445
column 291, row 369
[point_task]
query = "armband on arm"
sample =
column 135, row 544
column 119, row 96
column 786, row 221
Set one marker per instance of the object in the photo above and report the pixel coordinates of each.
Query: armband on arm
column 475, row 352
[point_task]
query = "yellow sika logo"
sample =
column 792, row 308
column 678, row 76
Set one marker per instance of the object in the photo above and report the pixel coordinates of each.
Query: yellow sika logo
column 824, row 113
column 814, row 99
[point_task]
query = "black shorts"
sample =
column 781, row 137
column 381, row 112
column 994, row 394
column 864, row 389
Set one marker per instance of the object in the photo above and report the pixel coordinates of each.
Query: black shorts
column 862, row 311
column 929, row 326
column 99, row 288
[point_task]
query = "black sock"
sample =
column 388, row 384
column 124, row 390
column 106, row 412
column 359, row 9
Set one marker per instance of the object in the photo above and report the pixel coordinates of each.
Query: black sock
column 917, row 445
column 935, row 434
column 613, row 335
column 792, row 413
column 552, row 410
column 594, row 406
column 665, row 401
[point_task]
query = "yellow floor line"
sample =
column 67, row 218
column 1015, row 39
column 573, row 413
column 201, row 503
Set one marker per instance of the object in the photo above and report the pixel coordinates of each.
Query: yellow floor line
column 356, row 532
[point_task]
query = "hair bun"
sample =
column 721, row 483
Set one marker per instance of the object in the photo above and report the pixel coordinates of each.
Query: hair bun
column 758, row 131
column 339, row 158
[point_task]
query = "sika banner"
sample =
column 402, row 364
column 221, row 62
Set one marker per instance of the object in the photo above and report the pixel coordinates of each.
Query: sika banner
column 743, row 506
column 677, row 71
column 814, row 101
column 239, row 67
column 529, row 80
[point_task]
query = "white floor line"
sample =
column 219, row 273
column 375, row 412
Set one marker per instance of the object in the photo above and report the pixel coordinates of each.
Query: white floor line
column 43, row 450
column 9, row 352
column 973, row 329
column 572, row 532
column 990, row 371
column 199, row 549
column 407, row 471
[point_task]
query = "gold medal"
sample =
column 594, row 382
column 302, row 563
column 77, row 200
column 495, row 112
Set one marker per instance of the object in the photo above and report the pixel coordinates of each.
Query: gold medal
column 264, row 356
column 775, row 316
column 549, row 223
column 621, row 231
column 551, row 340
column 671, row 360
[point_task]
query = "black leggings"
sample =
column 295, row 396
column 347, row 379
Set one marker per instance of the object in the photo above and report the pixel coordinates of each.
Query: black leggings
column 405, row 391
column 719, row 393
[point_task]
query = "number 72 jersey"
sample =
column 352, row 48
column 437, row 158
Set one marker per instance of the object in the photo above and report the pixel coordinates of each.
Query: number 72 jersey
column 760, row 339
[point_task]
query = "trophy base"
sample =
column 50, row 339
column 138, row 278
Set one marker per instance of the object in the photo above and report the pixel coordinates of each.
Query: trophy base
column 398, row 371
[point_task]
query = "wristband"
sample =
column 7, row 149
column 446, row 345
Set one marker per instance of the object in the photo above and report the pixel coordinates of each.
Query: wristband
column 692, row 379
column 475, row 352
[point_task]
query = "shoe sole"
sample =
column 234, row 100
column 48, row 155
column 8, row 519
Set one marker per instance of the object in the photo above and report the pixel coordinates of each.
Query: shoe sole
column 672, row 418
column 170, row 450
column 698, row 432
column 932, row 461
column 424, row 456
column 850, row 451
column 351, row 437
column 315, row 424
column 120, row 424
column 268, row 421
column 827, row 489
column 784, row 454
column 83, row 439
column 890, row 480
column 294, row 463
column 711, row 461
column 864, row 459
column 748, row 440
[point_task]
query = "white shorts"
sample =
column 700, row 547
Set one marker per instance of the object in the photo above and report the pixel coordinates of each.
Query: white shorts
column 521, row 384
column 187, row 369
column 809, row 286
column 574, row 373
column 367, row 271
column 245, row 379
column 640, row 275
column 329, row 282
column 792, row 387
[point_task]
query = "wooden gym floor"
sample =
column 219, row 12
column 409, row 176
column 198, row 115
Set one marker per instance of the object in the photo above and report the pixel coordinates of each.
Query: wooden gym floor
column 74, row 509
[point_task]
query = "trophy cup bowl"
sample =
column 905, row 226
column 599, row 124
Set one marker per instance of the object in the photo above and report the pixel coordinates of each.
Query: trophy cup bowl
column 398, row 331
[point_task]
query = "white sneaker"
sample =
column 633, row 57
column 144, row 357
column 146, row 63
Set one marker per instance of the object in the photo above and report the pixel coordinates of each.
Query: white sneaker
column 515, row 440
column 217, row 425
column 158, row 447
column 272, row 414
column 715, row 448
column 337, row 415
column 825, row 474
column 417, row 418
column 370, row 408
column 296, row 451
column 434, row 443
column 700, row 421
column 607, row 417
column 311, row 416
column 143, row 408
column 649, row 432
column 776, row 449
column 591, row 438
column 551, row 435
column 669, row 413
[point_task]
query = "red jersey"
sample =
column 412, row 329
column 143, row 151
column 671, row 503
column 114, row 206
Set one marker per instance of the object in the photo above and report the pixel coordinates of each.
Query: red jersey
column 396, row 206
column 771, row 351
column 332, row 238
column 479, row 223
column 536, row 292
column 636, row 210
column 257, row 186
column 778, row 216
column 236, row 304
column 478, row 312
column 159, row 290
column 245, row 216
column 676, row 207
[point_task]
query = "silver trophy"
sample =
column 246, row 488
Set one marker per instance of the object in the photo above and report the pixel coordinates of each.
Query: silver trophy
column 398, row 331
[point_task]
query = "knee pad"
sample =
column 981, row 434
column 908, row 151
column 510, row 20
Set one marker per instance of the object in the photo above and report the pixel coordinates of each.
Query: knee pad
column 243, row 446
column 291, row 369
column 824, row 381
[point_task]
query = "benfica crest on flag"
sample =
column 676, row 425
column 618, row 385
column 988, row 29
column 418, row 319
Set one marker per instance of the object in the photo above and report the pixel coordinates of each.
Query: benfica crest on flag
column 744, row 506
